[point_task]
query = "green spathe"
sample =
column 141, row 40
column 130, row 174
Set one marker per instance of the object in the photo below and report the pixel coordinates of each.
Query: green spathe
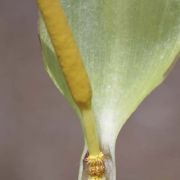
column 128, row 47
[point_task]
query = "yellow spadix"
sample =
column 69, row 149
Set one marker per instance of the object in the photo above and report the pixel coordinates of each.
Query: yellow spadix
column 66, row 49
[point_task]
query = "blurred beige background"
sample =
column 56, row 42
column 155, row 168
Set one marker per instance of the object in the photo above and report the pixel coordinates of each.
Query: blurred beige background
column 40, row 136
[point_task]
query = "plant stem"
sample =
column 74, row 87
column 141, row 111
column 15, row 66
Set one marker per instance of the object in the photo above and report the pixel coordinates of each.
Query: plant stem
column 95, row 160
column 89, row 127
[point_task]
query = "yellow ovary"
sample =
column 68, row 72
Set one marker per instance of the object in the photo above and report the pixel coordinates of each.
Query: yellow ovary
column 96, row 166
